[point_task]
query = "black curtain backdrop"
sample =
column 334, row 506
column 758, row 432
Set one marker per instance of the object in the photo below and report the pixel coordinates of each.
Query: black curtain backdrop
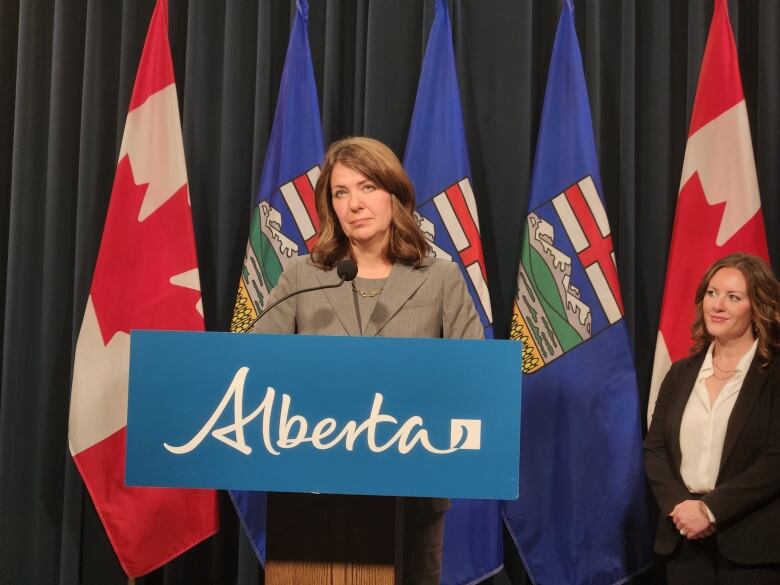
column 66, row 72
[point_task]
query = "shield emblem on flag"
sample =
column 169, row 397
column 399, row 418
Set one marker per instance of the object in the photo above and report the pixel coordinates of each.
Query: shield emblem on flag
column 567, row 285
column 449, row 222
column 282, row 226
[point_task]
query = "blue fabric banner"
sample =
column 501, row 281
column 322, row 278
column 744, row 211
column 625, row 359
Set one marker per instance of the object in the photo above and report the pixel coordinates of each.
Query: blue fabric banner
column 582, row 513
column 284, row 221
column 436, row 159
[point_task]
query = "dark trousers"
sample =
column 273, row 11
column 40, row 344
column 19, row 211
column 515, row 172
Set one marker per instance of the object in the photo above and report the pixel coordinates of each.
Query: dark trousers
column 699, row 562
column 422, row 547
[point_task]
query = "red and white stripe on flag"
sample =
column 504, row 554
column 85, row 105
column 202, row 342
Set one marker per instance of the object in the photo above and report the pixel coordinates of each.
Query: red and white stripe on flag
column 585, row 220
column 457, row 207
column 718, row 207
column 146, row 277
column 299, row 196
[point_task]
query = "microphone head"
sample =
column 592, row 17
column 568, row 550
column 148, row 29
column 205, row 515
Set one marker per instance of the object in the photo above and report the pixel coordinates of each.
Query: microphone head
column 347, row 269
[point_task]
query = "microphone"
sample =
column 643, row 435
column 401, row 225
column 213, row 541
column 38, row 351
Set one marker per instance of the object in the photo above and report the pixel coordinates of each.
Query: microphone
column 346, row 270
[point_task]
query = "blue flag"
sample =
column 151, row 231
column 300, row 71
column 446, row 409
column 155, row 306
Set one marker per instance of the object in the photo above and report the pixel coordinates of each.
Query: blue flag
column 437, row 162
column 581, row 516
column 284, row 221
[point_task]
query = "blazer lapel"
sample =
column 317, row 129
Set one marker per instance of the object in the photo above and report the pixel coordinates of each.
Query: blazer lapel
column 341, row 301
column 677, row 408
column 400, row 285
column 751, row 387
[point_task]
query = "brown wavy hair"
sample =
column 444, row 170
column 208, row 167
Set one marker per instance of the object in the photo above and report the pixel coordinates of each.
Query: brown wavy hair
column 763, row 291
column 378, row 163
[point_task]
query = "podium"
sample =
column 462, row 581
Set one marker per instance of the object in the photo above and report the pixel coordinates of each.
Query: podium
column 353, row 539
column 334, row 428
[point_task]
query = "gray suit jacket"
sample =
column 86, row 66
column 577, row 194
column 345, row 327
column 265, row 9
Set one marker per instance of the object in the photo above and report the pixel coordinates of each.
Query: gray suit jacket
column 426, row 301
column 430, row 300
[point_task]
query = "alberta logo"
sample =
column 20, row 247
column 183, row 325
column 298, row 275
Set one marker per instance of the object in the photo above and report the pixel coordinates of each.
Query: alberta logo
column 567, row 284
column 294, row 430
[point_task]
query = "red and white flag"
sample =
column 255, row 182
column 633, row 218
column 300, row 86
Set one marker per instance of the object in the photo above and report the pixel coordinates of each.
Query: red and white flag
column 718, row 207
column 146, row 277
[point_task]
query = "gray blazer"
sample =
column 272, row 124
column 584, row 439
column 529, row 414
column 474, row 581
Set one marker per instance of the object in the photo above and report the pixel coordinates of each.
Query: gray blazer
column 426, row 301
column 430, row 300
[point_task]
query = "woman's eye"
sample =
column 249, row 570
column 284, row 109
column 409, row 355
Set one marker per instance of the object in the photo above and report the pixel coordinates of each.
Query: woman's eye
column 339, row 193
column 711, row 293
column 368, row 187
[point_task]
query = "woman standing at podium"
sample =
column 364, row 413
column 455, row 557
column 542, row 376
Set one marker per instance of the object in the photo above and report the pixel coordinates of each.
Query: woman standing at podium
column 366, row 203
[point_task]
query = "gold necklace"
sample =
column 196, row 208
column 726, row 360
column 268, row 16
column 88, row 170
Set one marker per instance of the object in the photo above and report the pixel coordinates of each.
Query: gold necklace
column 366, row 294
column 726, row 373
column 721, row 370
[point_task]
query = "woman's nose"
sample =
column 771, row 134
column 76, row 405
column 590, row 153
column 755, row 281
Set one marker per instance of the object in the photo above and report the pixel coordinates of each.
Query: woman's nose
column 355, row 201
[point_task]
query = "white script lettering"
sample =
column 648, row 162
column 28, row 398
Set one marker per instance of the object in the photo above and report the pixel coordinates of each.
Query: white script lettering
column 293, row 430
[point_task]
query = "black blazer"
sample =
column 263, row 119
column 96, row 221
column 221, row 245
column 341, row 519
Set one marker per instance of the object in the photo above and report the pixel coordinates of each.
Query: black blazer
column 746, row 498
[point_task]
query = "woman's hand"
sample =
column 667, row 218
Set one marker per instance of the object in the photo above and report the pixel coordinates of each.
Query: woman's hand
column 691, row 520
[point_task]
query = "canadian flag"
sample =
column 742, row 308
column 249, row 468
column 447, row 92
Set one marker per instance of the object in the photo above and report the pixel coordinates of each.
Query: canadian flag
column 718, row 207
column 146, row 277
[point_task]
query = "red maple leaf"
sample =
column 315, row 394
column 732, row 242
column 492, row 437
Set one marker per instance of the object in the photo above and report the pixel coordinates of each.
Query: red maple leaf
column 693, row 250
column 131, row 287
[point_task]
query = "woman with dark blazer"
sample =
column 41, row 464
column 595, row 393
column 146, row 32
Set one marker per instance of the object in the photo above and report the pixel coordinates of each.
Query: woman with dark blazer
column 712, row 453
column 365, row 202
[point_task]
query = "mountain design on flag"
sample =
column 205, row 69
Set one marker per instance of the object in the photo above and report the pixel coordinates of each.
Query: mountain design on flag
column 429, row 230
column 581, row 474
column 281, row 227
column 567, row 287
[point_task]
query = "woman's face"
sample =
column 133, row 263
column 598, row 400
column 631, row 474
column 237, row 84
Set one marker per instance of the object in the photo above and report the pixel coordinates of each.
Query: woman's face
column 364, row 210
column 728, row 313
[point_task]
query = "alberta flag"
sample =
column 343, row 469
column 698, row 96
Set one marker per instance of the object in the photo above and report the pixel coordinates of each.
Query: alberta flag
column 581, row 516
column 146, row 277
column 284, row 221
column 437, row 162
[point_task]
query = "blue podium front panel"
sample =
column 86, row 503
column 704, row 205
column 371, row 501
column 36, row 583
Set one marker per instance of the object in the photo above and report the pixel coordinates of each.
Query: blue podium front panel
column 348, row 415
